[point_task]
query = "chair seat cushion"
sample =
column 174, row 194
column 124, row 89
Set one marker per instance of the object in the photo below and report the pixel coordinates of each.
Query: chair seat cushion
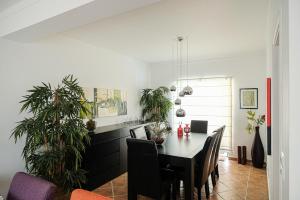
column 27, row 187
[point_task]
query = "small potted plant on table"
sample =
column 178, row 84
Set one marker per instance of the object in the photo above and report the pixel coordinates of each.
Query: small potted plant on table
column 159, row 131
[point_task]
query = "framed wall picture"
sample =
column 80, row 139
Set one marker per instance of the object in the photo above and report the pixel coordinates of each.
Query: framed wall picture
column 249, row 98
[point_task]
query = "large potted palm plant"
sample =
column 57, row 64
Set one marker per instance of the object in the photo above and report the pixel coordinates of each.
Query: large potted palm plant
column 55, row 135
column 155, row 108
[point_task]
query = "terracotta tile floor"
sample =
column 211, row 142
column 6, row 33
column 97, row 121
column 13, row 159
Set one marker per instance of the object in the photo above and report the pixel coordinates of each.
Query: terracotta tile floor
column 236, row 182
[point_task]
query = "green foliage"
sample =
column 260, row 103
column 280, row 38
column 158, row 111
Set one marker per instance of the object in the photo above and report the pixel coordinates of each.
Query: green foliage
column 155, row 104
column 88, row 113
column 253, row 121
column 55, row 134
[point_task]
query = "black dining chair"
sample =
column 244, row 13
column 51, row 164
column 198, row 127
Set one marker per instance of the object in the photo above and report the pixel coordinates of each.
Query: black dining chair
column 202, row 166
column 214, row 155
column 215, row 165
column 148, row 132
column 139, row 133
column 199, row 126
column 145, row 176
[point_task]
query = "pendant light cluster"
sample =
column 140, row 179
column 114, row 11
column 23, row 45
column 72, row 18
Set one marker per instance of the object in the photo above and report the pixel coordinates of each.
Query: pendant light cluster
column 187, row 90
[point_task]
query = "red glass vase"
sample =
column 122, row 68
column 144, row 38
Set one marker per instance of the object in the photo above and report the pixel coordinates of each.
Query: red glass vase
column 180, row 130
column 187, row 129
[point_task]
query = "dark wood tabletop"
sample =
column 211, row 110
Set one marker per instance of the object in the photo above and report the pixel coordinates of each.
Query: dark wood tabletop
column 181, row 151
column 183, row 146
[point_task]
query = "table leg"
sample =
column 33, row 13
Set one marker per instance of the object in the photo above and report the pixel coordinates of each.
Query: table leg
column 189, row 179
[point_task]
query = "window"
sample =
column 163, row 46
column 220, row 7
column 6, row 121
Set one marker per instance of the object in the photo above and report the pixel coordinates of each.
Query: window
column 211, row 101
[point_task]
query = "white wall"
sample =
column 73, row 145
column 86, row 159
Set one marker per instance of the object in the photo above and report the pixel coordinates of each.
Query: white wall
column 246, row 71
column 294, row 98
column 279, row 164
column 25, row 65
column 273, row 53
column 288, row 15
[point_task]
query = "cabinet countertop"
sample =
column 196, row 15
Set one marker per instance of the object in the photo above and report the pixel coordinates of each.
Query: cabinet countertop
column 108, row 128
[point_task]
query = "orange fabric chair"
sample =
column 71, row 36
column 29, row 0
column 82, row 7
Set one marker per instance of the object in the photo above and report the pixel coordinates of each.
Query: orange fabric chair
column 80, row 194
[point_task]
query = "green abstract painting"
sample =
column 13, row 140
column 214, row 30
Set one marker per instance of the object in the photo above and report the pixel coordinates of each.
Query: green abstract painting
column 106, row 102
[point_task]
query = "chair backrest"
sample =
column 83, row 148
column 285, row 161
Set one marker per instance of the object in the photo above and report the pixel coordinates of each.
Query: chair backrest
column 143, row 167
column 80, row 194
column 221, row 132
column 214, row 152
column 205, row 160
column 138, row 133
column 148, row 132
column 27, row 187
column 199, row 126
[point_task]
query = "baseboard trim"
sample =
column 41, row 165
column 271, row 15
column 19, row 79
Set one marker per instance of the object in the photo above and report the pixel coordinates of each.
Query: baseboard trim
column 234, row 158
column 249, row 162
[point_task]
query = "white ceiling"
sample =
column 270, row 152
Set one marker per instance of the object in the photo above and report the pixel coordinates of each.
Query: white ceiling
column 30, row 20
column 216, row 28
column 4, row 4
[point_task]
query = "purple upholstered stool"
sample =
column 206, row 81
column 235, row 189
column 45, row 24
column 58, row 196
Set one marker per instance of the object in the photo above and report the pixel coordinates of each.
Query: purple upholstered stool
column 27, row 187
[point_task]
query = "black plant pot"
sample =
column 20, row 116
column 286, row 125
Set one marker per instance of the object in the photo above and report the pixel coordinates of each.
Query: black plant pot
column 257, row 151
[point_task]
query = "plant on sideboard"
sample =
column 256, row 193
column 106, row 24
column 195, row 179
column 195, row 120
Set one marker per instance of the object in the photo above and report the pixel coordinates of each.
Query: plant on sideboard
column 257, row 150
column 155, row 108
column 90, row 115
column 155, row 104
column 55, row 135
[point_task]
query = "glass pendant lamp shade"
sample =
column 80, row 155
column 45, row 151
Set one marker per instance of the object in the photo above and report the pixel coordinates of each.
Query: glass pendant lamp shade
column 173, row 88
column 180, row 113
column 181, row 93
column 178, row 101
column 188, row 90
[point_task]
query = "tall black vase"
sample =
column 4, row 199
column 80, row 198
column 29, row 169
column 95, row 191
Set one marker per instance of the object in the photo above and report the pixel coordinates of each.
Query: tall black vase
column 257, row 151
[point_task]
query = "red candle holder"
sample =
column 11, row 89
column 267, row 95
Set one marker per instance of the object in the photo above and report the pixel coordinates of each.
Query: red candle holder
column 187, row 129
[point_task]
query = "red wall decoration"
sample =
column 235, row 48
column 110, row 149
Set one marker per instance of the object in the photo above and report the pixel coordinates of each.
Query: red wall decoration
column 269, row 97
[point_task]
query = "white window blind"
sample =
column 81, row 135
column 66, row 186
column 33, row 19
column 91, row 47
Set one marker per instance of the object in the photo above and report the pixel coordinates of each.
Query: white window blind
column 211, row 101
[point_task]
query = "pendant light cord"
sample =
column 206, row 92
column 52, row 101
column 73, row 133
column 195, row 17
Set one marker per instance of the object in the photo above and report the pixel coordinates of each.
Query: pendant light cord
column 187, row 60
column 177, row 61
column 181, row 47
column 173, row 62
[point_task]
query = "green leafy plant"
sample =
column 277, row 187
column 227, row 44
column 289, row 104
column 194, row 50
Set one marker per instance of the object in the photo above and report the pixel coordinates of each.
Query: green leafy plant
column 89, row 113
column 254, row 121
column 156, row 105
column 55, row 135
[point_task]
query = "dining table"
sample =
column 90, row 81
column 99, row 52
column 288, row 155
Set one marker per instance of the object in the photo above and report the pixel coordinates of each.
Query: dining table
column 181, row 151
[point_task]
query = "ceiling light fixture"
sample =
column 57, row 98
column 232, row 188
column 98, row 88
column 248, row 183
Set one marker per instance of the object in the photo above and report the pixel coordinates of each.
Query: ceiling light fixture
column 179, row 112
column 173, row 87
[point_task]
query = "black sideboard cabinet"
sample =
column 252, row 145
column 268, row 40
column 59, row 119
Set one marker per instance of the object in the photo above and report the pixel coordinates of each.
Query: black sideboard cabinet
column 106, row 157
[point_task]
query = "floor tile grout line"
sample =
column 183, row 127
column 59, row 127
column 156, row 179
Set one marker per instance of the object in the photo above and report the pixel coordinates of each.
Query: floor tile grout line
column 249, row 174
column 219, row 195
column 112, row 190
